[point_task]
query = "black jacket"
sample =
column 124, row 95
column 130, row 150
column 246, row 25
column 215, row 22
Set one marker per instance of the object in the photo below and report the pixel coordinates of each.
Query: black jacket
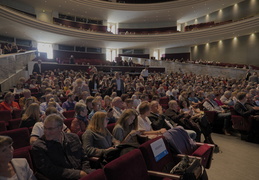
column 60, row 161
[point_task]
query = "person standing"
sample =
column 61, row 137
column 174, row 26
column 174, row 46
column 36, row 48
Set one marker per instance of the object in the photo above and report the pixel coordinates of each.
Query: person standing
column 118, row 84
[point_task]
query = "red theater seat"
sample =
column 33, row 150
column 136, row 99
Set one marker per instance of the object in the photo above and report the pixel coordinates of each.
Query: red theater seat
column 110, row 127
column 2, row 126
column 96, row 175
column 14, row 123
column 180, row 142
column 24, row 153
column 21, row 137
column 132, row 166
column 17, row 113
column 5, row 116
column 69, row 114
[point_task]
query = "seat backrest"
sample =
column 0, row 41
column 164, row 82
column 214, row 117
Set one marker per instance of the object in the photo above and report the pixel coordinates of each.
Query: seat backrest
column 96, row 175
column 21, row 137
column 180, row 141
column 17, row 113
column 68, row 122
column 24, row 152
column 14, row 123
column 148, row 155
column 2, row 126
column 110, row 127
column 69, row 114
column 5, row 116
column 127, row 167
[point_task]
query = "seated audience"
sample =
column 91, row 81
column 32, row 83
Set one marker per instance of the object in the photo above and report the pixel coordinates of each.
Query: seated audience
column 211, row 105
column 227, row 99
column 96, row 107
column 144, row 124
column 174, row 115
column 125, row 129
column 80, row 122
column 97, row 139
column 18, row 89
column 12, row 168
column 117, row 105
column 31, row 115
column 26, row 95
column 9, row 103
column 38, row 128
column 69, row 104
column 44, row 105
column 59, row 155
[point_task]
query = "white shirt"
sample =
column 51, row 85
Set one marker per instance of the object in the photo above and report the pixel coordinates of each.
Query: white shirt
column 144, row 124
column 118, row 82
column 144, row 73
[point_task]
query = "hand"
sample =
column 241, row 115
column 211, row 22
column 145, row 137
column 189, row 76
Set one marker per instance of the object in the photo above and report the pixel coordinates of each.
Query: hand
column 82, row 174
column 163, row 130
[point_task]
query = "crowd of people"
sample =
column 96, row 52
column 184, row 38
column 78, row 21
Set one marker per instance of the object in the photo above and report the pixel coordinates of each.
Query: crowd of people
column 132, row 103
column 10, row 48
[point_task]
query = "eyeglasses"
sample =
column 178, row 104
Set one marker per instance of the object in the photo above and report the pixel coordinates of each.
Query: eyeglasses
column 50, row 128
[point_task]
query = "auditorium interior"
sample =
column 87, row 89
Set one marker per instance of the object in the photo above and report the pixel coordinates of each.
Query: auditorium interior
column 203, row 38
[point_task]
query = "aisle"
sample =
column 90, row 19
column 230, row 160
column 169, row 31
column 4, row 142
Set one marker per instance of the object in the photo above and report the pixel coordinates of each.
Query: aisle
column 239, row 160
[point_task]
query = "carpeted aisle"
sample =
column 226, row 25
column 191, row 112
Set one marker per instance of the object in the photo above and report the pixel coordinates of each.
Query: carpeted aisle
column 238, row 160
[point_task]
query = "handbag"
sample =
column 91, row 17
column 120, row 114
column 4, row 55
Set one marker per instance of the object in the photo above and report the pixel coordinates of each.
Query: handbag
column 188, row 168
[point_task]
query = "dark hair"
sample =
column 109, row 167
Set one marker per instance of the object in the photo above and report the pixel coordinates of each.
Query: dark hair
column 241, row 96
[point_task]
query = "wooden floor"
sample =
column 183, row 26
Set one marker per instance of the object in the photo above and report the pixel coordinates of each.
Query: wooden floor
column 238, row 160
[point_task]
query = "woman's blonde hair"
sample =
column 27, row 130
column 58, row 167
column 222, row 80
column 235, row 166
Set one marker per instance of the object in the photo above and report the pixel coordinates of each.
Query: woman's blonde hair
column 33, row 111
column 123, row 120
column 97, row 123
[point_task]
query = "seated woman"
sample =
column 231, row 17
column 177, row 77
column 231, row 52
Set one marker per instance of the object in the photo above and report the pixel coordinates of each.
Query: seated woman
column 18, row 89
column 125, row 129
column 144, row 124
column 97, row 139
column 31, row 115
column 9, row 103
column 17, row 168
column 38, row 128
column 80, row 122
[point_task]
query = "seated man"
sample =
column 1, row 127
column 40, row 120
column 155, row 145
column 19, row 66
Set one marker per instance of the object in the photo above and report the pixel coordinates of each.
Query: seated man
column 173, row 115
column 58, row 155
column 69, row 104
column 44, row 105
column 211, row 105
column 117, row 105
column 159, row 121
column 227, row 99
column 26, row 95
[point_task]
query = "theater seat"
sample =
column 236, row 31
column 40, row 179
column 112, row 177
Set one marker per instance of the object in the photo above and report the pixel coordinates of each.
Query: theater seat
column 5, row 116
column 17, row 113
column 2, row 126
column 69, row 114
column 110, row 127
column 180, row 142
column 24, row 152
column 132, row 166
column 21, row 137
column 68, row 122
column 14, row 123
column 96, row 175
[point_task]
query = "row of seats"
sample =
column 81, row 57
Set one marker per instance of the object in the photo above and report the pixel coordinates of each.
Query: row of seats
column 10, row 121
column 140, row 164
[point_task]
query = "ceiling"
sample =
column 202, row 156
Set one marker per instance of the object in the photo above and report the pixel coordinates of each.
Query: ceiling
column 81, row 8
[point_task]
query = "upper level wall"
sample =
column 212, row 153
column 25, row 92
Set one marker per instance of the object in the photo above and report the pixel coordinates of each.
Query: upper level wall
column 240, row 50
column 236, row 12
column 194, row 68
